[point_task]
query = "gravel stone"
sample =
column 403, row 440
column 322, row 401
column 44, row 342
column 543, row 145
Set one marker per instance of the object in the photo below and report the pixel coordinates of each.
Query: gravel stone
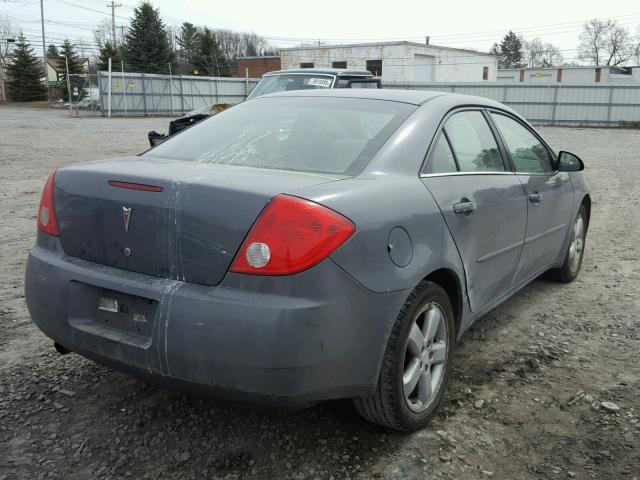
column 610, row 407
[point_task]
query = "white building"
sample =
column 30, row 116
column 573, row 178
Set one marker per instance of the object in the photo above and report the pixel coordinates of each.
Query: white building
column 571, row 75
column 56, row 68
column 398, row 62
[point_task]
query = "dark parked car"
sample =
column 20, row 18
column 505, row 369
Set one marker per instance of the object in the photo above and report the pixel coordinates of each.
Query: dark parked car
column 279, row 81
column 306, row 246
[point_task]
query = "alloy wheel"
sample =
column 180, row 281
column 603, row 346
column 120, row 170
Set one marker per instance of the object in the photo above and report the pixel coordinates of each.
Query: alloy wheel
column 577, row 244
column 425, row 357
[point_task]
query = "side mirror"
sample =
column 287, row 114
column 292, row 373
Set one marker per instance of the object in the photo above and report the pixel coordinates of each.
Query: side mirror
column 568, row 162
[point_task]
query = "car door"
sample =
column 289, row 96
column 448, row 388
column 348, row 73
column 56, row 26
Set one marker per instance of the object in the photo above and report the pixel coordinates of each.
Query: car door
column 549, row 194
column 483, row 204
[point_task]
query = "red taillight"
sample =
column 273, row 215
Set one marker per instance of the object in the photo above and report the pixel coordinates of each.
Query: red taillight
column 289, row 236
column 47, row 211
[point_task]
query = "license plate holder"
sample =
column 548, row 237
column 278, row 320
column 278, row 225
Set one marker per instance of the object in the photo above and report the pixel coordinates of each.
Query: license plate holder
column 112, row 309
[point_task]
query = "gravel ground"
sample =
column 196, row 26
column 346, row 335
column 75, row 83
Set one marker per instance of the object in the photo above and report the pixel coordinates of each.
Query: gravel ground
column 528, row 399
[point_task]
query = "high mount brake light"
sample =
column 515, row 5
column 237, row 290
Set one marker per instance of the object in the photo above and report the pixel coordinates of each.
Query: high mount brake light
column 135, row 186
column 291, row 235
column 47, row 211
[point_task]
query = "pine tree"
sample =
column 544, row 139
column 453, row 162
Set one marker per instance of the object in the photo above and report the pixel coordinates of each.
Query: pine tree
column 147, row 48
column 188, row 40
column 25, row 74
column 52, row 52
column 109, row 51
column 511, row 51
column 67, row 51
column 208, row 57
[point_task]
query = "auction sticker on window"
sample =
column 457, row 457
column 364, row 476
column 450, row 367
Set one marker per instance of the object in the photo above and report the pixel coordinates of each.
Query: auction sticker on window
column 320, row 82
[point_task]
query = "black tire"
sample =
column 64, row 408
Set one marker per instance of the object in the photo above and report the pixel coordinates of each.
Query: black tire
column 568, row 273
column 388, row 406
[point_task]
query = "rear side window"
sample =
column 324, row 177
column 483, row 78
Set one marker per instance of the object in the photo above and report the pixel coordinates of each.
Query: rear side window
column 527, row 153
column 441, row 159
column 474, row 146
column 308, row 134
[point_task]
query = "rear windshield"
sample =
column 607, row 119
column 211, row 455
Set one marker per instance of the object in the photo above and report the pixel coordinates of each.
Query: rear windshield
column 307, row 134
column 293, row 81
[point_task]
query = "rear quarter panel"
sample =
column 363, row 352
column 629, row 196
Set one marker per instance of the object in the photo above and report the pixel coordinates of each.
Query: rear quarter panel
column 377, row 204
column 388, row 194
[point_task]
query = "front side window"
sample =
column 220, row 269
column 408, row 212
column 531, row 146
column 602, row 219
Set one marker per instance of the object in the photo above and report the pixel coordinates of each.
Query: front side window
column 474, row 146
column 308, row 134
column 527, row 153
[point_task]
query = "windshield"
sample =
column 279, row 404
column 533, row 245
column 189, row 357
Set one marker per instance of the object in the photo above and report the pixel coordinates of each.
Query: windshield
column 298, row 81
column 309, row 134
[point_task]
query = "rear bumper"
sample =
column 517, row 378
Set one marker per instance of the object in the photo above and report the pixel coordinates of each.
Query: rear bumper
column 283, row 341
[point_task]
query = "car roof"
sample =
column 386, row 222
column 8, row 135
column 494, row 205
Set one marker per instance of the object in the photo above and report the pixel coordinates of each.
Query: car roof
column 323, row 71
column 415, row 97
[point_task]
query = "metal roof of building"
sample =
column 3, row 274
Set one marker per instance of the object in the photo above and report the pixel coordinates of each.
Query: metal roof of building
column 321, row 71
column 384, row 44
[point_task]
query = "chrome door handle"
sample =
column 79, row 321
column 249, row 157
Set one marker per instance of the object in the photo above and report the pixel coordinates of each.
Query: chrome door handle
column 535, row 197
column 465, row 206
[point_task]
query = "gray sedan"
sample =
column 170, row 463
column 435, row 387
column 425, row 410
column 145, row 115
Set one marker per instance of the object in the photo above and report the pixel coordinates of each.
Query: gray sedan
column 306, row 246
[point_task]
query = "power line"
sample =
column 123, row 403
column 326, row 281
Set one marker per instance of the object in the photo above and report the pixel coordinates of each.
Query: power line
column 451, row 39
column 72, row 4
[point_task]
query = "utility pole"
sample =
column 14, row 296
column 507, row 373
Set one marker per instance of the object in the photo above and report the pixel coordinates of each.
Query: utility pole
column 44, row 49
column 44, row 43
column 113, row 7
column 66, row 65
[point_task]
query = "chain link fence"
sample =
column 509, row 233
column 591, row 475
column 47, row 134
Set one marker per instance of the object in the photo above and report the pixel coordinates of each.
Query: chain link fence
column 83, row 94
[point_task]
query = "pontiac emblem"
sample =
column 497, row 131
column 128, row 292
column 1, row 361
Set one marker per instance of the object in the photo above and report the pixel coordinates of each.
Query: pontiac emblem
column 126, row 216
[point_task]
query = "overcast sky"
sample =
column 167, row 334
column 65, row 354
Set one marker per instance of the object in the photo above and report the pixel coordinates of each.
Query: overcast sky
column 288, row 22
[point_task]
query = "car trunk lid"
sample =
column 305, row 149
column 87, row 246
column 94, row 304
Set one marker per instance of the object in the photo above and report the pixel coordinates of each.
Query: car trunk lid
column 172, row 219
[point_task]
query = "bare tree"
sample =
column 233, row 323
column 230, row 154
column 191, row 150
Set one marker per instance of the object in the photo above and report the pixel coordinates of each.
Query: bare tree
column 172, row 33
column 605, row 42
column 540, row 54
column 636, row 49
column 102, row 33
column 251, row 44
column 619, row 44
column 591, row 41
column 8, row 29
column 241, row 44
column 229, row 42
